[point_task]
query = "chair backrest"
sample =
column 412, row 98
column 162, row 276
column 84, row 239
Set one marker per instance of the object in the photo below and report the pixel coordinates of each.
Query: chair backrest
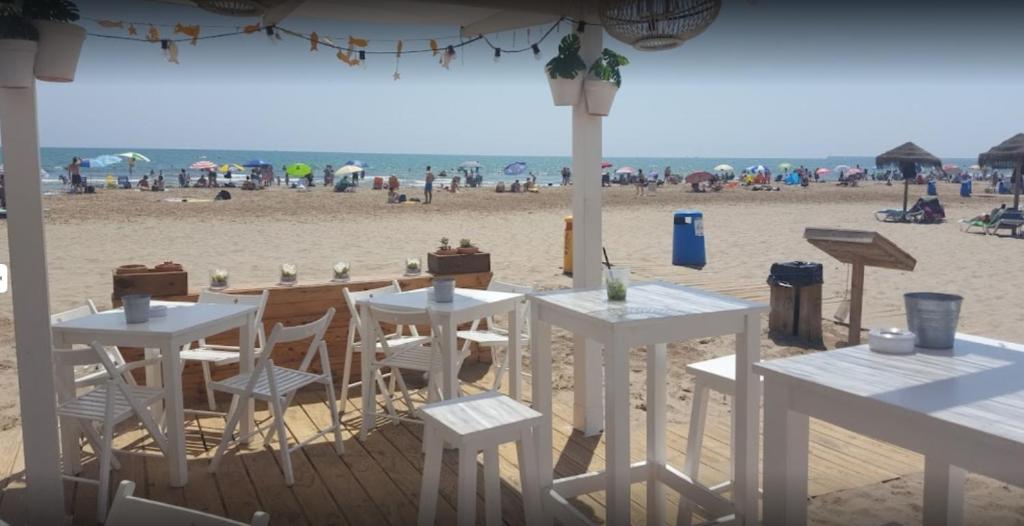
column 255, row 300
column 504, row 286
column 314, row 330
column 352, row 297
column 73, row 314
column 129, row 510
column 399, row 318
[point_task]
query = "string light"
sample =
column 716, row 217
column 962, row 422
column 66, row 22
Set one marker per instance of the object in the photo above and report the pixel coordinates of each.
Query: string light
column 536, row 51
column 497, row 54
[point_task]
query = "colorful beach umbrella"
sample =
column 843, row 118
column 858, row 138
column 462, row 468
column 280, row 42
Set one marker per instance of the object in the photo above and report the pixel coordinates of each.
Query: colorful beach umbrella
column 203, row 165
column 256, row 163
column 606, row 164
column 699, row 177
column 225, row 168
column 822, row 171
column 724, row 168
column 101, row 162
column 134, row 155
column 348, row 169
column 625, row 170
column 854, row 171
column 785, row 166
column 470, row 164
column 757, row 168
column 515, row 168
column 357, row 162
column 842, row 168
column 298, row 170
column 950, row 168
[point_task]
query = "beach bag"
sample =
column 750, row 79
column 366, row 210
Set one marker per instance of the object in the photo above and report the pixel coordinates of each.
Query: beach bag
column 223, row 195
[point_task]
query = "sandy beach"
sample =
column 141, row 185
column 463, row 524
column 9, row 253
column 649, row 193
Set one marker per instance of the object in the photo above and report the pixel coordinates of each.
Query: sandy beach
column 252, row 234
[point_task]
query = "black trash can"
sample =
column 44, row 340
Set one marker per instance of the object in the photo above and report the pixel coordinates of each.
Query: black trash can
column 796, row 300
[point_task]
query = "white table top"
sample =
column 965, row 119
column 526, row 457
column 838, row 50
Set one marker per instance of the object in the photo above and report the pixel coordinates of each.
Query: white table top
column 646, row 302
column 181, row 316
column 978, row 385
column 464, row 299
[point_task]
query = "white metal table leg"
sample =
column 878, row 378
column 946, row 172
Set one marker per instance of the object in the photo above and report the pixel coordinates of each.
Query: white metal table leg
column 587, row 402
column 450, row 360
column 175, row 418
column 245, row 365
column 943, row 492
column 540, row 365
column 154, row 378
column 785, row 458
column 515, row 353
column 616, row 358
column 746, row 417
column 368, row 343
column 657, row 454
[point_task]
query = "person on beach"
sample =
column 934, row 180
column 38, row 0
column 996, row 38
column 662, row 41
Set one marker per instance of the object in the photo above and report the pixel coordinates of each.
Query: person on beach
column 201, row 183
column 143, row 183
column 516, row 187
column 566, row 176
column 131, row 166
column 393, row 183
column 428, row 188
column 75, row 170
column 158, row 185
column 641, row 182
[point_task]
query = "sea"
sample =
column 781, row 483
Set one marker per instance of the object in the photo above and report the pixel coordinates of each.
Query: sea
column 409, row 168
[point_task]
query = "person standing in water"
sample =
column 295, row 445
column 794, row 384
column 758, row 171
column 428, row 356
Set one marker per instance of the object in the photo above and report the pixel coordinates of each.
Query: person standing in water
column 428, row 188
column 75, row 170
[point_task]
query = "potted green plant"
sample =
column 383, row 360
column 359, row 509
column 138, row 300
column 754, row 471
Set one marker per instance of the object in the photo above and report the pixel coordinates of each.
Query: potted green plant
column 466, row 247
column 412, row 266
column 18, row 45
column 565, row 72
column 604, row 83
column 445, row 249
column 60, row 41
column 218, row 279
column 341, row 270
column 289, row 274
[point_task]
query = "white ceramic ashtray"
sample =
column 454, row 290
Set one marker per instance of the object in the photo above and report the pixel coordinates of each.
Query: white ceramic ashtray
column 158, row 311
column 891, row 341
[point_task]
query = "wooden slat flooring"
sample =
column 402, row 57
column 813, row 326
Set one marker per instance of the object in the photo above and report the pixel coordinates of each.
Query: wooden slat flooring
column 377, row 482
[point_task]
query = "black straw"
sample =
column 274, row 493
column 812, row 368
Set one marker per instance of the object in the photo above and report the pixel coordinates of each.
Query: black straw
column 606, row 262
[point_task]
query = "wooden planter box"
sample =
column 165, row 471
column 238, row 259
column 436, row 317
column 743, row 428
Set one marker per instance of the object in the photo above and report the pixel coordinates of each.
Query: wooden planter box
column 152, row 282
column 458, row 263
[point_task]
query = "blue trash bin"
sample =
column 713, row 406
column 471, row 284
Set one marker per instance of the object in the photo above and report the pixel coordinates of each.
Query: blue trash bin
column 688, row 239
column 965, row 188
column 932, row 190
column 1003, row 187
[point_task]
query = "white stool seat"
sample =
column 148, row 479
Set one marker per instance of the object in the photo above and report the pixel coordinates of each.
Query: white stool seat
column 472, row 424
column 92, row 405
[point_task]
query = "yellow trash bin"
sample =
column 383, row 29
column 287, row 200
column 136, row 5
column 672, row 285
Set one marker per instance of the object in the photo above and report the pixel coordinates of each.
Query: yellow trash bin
column 567, row 255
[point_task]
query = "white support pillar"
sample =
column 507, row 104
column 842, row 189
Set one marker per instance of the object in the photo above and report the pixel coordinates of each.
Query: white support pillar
column 588, row 399
column 19, row 127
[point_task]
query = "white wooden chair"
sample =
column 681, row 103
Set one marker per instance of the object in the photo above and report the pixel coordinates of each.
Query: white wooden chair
column 111, row 402
column 494, row 337
column 353, row 345
column 423, row 357
column 90, row 372
column 218, row 355
column 278, row 385
column 471, row 424
column 129, row 510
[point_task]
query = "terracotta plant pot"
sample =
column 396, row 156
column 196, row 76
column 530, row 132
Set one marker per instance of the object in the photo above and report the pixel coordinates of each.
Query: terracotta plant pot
column 60, row 45
column 168, row 266
column 131, row 269
column 468, row 250
column 600, row 96
column 449, row 252
column 566, row 92
column 17, row 59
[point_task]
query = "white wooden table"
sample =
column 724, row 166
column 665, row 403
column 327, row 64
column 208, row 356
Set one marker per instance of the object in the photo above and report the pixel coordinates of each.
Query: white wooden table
column 468, row 305
column 963, row 409
column 653, row 315
column 184, row 323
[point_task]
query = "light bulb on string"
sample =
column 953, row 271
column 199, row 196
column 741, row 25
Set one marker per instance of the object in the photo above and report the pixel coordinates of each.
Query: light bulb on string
column 581, row 27
column 362, row 58
column 536, row 51
column 497, row 54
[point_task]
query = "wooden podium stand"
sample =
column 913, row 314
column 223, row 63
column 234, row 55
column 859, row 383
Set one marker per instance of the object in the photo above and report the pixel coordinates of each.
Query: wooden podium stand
column 859, row 248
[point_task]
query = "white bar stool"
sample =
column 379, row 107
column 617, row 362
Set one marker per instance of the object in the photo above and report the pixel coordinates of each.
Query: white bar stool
column 472, row 424
column 719, row 375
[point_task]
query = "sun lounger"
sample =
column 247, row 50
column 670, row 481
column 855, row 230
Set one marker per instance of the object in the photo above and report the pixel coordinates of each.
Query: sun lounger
column 1009, row 219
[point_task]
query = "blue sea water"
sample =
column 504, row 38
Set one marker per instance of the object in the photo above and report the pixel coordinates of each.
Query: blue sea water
column 410, row 168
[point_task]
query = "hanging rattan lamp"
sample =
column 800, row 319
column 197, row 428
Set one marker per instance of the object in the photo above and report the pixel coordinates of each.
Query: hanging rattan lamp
column 246, row 8
column 652, row 25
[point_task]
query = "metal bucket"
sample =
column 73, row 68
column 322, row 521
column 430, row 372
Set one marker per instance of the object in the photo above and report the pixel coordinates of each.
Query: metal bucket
column 933, row 318
column 444, row 290
column 136, row 308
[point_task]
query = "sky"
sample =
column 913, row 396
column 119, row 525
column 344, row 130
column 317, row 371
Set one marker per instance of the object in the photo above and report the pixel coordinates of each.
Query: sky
column 771, row 78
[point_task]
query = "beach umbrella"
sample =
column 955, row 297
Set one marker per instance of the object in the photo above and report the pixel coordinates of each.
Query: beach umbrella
column 298, row 170
column 134, row 155
column 723, row 168
column 348, row 169
column 224, row 168
column 625, row 170
column 515, row 168
column 757, row 168
column 203, row 165
column 975, row 168
column 907, row 156
column 842, row 168
column 256, row 163
column 470, row 164
column 822, row 171
column 356, row 162
column 785, row 166
column 855, row 171
column 101, row 162
column 950, row 168
column 606, row 164
column 1008, row 154
column 699, row 177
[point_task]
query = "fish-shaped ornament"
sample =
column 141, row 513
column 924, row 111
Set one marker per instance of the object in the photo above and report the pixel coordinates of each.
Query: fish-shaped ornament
column 153, row 35
column 189, row 31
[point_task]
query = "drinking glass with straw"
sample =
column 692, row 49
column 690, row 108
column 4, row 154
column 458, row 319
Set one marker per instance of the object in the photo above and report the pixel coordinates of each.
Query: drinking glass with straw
column 616, row 280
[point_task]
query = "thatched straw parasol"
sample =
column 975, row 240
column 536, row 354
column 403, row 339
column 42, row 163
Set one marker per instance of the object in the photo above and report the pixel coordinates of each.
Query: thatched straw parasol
column 1009, row 154
column 907, row 156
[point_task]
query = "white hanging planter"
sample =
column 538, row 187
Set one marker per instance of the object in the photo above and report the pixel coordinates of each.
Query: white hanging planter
column 600, row 96
column 17, row 58
column 60, row 45
column 566, row 92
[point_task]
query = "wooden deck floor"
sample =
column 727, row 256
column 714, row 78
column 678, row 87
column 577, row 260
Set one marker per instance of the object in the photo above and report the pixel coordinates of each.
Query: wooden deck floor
column 377, row 482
